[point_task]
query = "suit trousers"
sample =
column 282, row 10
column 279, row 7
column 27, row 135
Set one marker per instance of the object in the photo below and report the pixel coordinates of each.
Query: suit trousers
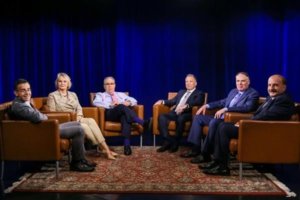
column 225, row 132
column 74, row 131
column 123, row 114
column 164, row 120
column 92, row 130
column 196, row 132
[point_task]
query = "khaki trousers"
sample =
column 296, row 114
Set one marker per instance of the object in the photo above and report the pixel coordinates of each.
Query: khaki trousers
column 92, row 130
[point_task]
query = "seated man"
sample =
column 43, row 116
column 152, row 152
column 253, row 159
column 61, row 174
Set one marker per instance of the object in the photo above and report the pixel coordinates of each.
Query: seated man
column 117, row 108
column 279, row 106
column 182, row 112
column 22, row 109
column 240, row 99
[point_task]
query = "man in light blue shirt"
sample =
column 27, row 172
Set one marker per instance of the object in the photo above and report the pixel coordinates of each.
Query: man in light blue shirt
column 117, row 108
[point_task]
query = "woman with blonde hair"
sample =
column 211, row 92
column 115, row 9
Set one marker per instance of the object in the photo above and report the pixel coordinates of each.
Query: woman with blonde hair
column 64, row 100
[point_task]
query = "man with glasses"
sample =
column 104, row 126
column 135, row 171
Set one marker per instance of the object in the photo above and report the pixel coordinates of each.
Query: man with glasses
column 117, row 108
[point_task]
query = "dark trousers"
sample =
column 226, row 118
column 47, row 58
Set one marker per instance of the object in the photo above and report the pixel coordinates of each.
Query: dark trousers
column 163, row 123
column 225, row 132
column 74, row 131
column 196, row 132
column 123, row 114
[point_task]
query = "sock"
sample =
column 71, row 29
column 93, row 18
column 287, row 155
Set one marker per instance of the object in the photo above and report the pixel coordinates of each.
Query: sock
column 138, row 120
column 127, row 142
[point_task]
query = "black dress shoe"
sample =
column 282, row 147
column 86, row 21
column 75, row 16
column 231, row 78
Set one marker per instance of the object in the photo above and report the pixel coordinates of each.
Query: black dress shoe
column 209, row 165
column 218, row 170
column 127, row 150
column 201, row 159
column 89, row 163
column 163, row 148
column 174, row 148
column 189, row 154
column 81, row 167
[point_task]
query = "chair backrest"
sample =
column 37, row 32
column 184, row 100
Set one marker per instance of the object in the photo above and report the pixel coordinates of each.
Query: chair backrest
column 93, row 95
column 40, row 103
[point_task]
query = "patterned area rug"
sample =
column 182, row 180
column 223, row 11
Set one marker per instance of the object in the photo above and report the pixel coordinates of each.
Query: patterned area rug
column 147, row 171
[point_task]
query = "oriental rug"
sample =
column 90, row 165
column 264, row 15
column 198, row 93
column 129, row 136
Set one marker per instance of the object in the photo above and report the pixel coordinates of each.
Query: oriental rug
column 147, row 171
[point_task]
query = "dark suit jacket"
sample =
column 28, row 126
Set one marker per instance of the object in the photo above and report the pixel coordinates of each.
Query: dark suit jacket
column 195, row 99
column 22, row 111
column 246, row 103
column 279, row 108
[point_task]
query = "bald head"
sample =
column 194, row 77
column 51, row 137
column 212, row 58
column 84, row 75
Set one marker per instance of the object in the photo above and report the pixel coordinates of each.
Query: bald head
column 276, row 85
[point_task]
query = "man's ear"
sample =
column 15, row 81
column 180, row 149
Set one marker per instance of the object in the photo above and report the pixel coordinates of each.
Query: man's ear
column 16, row 94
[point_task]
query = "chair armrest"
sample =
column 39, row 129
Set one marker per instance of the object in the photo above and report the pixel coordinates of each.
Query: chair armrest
column 61, row 116
column 101, row 118
column 91, row 112
column 139, row 110
column 235, row 116
column 195, row 109
column 269, row 141
column 157, row 110
column 23, row 140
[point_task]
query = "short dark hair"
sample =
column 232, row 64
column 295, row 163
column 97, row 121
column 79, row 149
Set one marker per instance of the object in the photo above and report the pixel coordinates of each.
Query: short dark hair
column 18, row 82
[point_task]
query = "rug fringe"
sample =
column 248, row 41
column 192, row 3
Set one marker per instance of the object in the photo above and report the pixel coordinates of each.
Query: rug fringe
column 17, row 183
column 282, row 186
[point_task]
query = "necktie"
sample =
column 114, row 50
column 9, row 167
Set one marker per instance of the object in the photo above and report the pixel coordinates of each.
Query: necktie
column 235, row 99
column 183, row 100
column 114, row 98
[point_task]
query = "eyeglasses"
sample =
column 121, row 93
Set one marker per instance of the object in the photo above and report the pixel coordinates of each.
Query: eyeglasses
column 109, row 83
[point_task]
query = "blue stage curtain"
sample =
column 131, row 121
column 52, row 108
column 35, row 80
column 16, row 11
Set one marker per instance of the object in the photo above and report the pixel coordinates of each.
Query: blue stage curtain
column 149, row 47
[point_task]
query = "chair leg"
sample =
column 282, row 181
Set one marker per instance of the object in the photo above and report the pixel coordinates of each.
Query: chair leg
column 241, row 170
column 141, row 140
column 57, row 168
column 154, row 140
column 2, row 170
column 69, row 156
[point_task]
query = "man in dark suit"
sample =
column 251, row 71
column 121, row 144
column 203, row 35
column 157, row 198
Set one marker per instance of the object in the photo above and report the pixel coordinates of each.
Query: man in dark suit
column 22, row 109
column 279, row 106
column 241, row 99
column 181, row 113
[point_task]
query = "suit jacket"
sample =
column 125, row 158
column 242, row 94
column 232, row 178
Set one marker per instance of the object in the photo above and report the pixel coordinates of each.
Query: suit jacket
column 57, row 102
column 195, row 99
column 246, row 103
column 278, row 108
column 21, row 110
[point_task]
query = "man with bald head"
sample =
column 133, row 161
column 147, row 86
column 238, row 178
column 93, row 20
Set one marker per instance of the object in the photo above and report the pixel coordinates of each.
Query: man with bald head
column 278, row 106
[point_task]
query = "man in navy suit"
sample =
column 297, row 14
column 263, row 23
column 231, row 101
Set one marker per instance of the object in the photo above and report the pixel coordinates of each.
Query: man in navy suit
column 241, row 99
column 181, row 113
column 279, row 106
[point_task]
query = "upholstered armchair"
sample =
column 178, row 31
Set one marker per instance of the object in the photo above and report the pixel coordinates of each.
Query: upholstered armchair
column 161, row 109
column 26, row 141
column 110, row 128
column 273, row 142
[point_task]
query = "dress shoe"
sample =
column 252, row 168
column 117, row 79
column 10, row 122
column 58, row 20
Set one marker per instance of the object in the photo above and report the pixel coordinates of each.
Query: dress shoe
column 201, row 159
column 89, row 163
column 189, row 154
column 127, row 150
column 81, row 167
column 173, row 148
column 163, row 148
column 209, row 165
column 218, row 170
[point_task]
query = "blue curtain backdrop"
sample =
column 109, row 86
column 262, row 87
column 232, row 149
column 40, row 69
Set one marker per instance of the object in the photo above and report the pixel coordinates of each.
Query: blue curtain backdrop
column 148, row 46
